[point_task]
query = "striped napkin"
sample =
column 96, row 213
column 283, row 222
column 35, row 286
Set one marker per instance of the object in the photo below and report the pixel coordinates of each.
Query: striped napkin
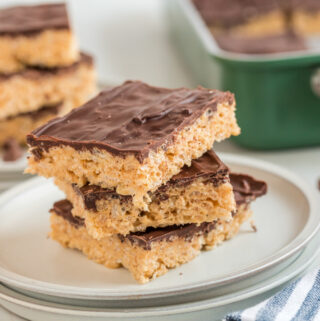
column 300, row 301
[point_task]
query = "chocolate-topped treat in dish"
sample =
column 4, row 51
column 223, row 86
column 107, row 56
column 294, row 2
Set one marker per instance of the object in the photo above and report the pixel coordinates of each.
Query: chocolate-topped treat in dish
column 38, row 35
column 261, row 45
column 306, row 17
column 199, row 193
column 151, row 253
column 243, row 17
column 133, row 137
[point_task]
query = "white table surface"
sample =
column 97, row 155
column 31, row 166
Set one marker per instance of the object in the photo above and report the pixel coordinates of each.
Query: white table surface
column 129, row 41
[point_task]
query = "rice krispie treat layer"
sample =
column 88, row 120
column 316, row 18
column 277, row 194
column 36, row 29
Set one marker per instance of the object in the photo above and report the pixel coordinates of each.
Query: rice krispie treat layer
column 18, row 127
column 33, row 88
column 200, row 193
column 150, row 254
column 133, row 137
column 36, row 36
column 145, row 256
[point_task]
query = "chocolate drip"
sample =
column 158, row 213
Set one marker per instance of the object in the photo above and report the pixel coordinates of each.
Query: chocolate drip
column 30, row 20
column 133, row 118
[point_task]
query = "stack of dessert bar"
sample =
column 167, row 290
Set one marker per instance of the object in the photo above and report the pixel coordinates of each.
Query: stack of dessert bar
column 42, row 72
column 144, row 189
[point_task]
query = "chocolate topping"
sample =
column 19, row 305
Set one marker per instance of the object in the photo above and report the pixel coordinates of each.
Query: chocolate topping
column 246, row 189
column 63, row 208
column 188, row 231
column 261, row 45
column 311, row 6
column 11, row 150
column 208, row 167
column 133, row 118
column 40, row 113
column 231, row 13
column 40, row 71
column 30, row 20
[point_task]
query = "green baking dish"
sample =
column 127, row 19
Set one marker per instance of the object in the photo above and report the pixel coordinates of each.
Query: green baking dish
column 278, row 95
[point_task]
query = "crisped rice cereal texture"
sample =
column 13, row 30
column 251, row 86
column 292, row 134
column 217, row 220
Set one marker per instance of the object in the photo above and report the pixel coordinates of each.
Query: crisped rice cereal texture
column 127, row 174
column 144, row 265
column 197, row 202
column 49, row 48
column 32, row 89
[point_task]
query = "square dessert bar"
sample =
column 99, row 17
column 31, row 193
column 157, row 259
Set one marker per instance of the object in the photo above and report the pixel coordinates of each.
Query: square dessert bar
column 132, row 138
column 31, row 89
column 199, row 193
column 37, row 35
column 150, row 254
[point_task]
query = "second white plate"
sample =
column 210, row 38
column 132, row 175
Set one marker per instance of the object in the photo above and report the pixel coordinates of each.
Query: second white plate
column 286, row 219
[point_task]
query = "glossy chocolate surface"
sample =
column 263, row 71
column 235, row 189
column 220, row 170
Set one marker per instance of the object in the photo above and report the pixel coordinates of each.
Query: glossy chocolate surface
column 133, row 118
column 30, row 20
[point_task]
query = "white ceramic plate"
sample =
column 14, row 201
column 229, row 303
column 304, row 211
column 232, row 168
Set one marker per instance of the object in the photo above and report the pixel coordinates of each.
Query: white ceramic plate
column 286, row 219
column 213, row 309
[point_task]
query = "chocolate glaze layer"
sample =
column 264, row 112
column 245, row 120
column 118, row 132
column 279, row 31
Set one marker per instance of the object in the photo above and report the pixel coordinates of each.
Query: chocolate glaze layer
column 187, row 232
column 209, row 167
column 230, row 13
column 133, row 118
column 39, row 71
column 63, row 208
column 261, row 45
column 246, row 189
column 30, row 20
column 40, row 113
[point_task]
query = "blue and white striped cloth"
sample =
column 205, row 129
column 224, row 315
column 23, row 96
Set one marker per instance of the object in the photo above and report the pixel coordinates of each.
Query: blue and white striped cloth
column 300, row 301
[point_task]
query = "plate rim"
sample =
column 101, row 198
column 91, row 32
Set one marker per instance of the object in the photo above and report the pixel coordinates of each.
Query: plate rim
column 304, row 236
column 302, row 263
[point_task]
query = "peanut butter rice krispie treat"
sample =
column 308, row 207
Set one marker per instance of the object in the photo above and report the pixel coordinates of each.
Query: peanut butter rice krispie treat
column 150, row 254
column 30, row 89
column 38, row 35
column 132, row 138
column 17, row 127
column 246, row 18
column 200, row 193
